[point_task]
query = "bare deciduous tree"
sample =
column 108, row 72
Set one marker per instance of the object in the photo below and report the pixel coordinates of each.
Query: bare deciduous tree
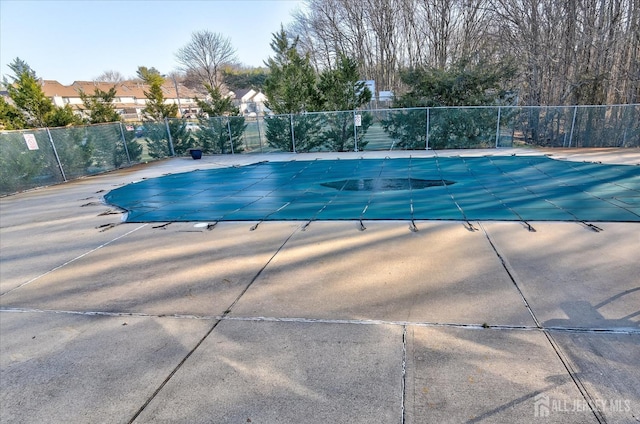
column 205, row 56
column 569, row 52
column 110, row 76
column 385, row 36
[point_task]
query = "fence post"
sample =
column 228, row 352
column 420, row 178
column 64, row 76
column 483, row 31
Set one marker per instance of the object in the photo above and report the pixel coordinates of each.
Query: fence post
column 259, row 133
column 124, row 142
column 166, row 122
column 355, row 133
column 427, row 129
column 229, row 131
column 293, row 138
column 498, row 129
column 55, row 152
column 573, row 123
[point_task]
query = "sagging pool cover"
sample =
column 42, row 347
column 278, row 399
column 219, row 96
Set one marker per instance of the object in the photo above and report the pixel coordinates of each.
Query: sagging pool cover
column 518, row 188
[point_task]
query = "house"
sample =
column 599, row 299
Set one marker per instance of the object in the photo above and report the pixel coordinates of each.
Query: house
column 130, row 99
column 250, row 102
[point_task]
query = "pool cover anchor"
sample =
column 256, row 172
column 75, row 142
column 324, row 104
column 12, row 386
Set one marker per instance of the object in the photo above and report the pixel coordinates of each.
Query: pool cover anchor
column 105, row 227
column 529, row 227
column 591, row 226
column 110, row 212
column 412, row 225
column 268, row 215
column 362, row 227
column 470, row 226
column 162, row 226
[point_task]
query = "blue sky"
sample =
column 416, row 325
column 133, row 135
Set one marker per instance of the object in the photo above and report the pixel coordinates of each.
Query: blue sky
column 79, row 40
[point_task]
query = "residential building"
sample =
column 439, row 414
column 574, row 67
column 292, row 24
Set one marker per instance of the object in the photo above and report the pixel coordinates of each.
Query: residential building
column 250, row 102
column 130, row 99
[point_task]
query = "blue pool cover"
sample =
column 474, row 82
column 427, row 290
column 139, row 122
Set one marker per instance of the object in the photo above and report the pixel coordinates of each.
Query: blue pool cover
column 518, row 188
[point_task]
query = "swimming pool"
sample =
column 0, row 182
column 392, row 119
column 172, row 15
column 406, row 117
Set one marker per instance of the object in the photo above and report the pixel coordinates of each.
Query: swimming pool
column 511, row 188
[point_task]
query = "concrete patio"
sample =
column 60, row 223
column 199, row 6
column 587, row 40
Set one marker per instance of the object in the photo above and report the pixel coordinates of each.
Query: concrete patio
column 283, row 322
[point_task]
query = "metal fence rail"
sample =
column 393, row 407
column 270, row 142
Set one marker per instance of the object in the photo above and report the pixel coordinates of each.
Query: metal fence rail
column 39, row 157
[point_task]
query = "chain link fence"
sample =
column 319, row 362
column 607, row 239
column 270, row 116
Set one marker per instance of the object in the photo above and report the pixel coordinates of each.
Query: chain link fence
column 45, row 156
column 40, row 157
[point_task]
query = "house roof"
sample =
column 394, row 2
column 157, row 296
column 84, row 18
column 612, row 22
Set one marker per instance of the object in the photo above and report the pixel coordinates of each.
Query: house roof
column 134, row 89
column 248, row 95
column 242, row 94
column 89, row 87
column 52, row 88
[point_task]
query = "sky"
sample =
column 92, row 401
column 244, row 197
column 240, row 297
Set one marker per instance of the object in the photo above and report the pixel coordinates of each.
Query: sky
column 78, row 40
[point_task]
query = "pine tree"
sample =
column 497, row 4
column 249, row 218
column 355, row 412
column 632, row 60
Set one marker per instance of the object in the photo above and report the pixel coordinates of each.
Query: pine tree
column 342, row 90
column 156, row 109
column 28, row 97
column 27, row 94
column 221, row 126
column 462, row 84
column 10, row 117
column 100, row 106
column 291, row 89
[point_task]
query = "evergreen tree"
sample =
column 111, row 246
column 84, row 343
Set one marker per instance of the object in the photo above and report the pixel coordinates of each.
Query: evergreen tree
column 221, row 126
column 290, row 86
column 156, row 111
column 342, row 90
column 291, row 89
column 101, row 109
column 74, row 149
column 216, row 104
column 62, row 117
column 158, row 138
column 100, row 106
column 134, row 148
column 462, row 84
column 10, row 117
column 27, row 95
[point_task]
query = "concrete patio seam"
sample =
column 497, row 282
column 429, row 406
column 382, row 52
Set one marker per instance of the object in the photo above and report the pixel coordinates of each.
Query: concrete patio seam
column 510, row 274
column 213, row 327
column 404, row 374
column 561, row 356
column 303, row 320
column 73, row 260
column 172, row 373
column 566, row 363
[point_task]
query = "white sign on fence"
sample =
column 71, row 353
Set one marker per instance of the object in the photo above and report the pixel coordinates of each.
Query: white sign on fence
column 32, row 144
column 357, row 119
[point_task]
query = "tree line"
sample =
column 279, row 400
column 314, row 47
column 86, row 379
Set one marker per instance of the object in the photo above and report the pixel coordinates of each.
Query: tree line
column 428, row 52
column 569, row 52
column 563, row 53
